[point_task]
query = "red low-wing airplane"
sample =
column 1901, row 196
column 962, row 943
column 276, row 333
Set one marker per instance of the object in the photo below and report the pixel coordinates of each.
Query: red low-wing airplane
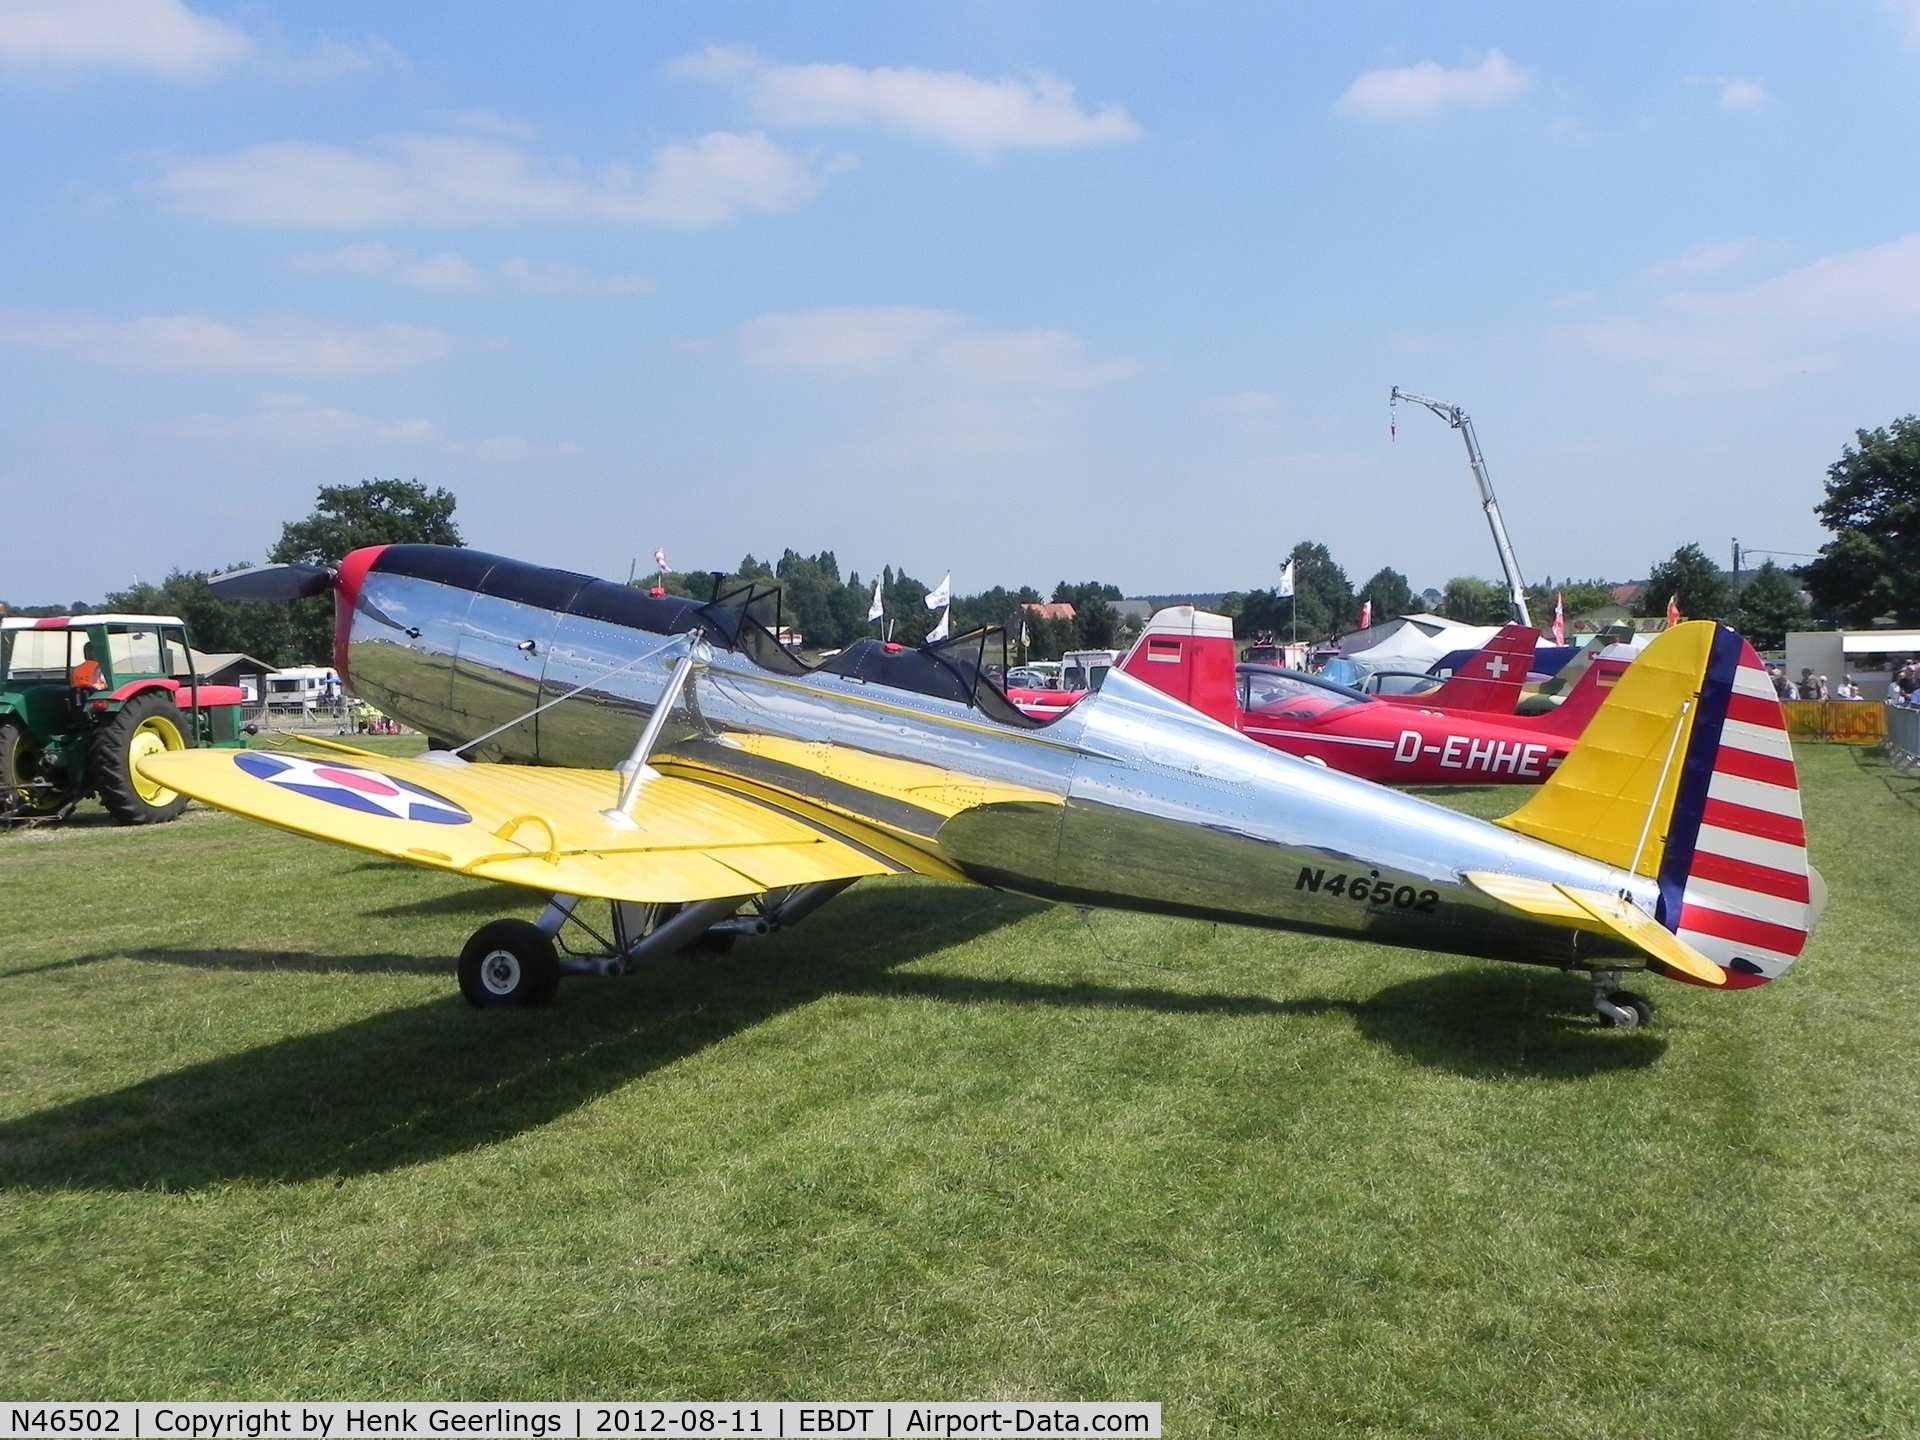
column 1189, row 654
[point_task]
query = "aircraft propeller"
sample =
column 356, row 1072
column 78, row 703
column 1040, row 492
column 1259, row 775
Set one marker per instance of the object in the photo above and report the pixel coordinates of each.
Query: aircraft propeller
column 273, row 582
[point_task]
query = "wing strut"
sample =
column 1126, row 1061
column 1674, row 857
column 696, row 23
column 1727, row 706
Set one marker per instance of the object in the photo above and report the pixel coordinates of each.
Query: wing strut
column 635, row 768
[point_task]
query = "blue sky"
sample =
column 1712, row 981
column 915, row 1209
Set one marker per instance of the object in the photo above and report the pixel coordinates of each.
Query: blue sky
column 1020, row 291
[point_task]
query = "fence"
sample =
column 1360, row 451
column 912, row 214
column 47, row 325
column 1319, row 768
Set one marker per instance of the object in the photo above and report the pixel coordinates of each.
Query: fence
column 1844, row 722
column 1903, row 734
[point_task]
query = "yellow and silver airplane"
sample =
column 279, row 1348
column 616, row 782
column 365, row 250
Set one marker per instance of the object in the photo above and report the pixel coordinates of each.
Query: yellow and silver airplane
column 595, row 742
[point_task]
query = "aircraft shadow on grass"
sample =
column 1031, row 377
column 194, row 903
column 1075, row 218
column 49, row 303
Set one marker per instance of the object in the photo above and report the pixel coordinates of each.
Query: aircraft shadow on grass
column 416, row 1084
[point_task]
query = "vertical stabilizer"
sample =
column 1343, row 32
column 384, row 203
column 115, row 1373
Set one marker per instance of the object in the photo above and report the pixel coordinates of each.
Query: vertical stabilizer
column 1490, row 682
column 1684, row 775
column 1188, row 654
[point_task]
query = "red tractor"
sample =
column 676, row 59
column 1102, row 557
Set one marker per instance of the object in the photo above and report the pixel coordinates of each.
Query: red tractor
column 83, row 697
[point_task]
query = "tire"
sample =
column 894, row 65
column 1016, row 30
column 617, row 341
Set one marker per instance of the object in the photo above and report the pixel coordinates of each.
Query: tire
column 1637, row 1011
column 145, row 725
column 506, row 964
column 17, row 756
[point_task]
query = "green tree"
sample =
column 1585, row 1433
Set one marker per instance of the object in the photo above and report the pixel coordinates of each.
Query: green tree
column 348, row 518
column 1390, row 593
column 1096, row 624
column 1770, row 606
column 998, row 606
column 1692, row 581
column 1577, row 598
column 1476, row 602
column 217, row 626
column 1872, row 565
column 1322, row 602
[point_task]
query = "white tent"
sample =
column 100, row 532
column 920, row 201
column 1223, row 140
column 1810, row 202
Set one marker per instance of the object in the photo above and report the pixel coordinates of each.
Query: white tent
column 1412, row 642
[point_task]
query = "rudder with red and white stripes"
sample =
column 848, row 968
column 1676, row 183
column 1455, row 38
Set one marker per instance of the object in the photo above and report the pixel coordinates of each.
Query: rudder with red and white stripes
column 1734, row 878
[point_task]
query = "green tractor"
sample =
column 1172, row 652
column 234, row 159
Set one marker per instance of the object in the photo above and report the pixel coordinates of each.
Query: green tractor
column 84, row 697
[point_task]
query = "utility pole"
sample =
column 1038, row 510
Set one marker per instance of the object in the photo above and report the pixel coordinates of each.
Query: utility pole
column 1461, row 421
column 1735, row 619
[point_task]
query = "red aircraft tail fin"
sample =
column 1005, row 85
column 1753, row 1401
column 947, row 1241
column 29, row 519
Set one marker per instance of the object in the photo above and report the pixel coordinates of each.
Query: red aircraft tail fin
column 1589, row 693
column 1490, row 682
column 1188, row 654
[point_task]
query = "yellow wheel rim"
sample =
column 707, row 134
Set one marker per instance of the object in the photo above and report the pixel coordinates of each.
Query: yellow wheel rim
column 154, row 735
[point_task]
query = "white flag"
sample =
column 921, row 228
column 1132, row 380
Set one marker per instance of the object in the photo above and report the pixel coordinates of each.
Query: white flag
column 939, row 632
column 941, row 596
column 1286, row 580
column 877, row 608
column 660, row 559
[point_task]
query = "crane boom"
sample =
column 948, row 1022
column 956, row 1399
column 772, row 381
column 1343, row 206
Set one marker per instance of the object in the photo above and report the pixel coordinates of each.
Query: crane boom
column 1461, row 421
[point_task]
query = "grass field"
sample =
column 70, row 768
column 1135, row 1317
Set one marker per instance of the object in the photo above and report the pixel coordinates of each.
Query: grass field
column 944, row 1143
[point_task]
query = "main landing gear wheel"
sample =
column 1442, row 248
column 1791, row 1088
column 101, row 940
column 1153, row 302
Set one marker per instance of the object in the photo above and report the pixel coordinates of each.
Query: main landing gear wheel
column 146, row 725
column 508, row 963
column 1624, row 1010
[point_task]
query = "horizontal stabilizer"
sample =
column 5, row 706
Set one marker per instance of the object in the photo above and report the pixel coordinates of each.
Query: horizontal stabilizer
column 1609, row 914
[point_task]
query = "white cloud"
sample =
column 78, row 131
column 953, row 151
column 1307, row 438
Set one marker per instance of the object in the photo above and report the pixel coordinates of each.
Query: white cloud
column 450, row 271
column 1742, row 94
column 1709, row 257
column 330, row 59
column 461, row 180
column 902, row 339
column 554, row 277
column 291, row 420
column 486, row 122
column 1907, row 12
column 1427, row 88
column 160, row 37
column 1794, row 322
column 971, row 114
column 946, row 388
column 287, row 344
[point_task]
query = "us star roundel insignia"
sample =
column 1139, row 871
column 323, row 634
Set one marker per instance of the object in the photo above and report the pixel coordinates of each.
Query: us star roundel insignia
column 351, row 788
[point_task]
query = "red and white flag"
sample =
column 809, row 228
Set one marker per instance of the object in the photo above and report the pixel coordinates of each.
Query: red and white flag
column 1366, row 615
column 1559, row 620
column 1673, row 611
column 660, row 559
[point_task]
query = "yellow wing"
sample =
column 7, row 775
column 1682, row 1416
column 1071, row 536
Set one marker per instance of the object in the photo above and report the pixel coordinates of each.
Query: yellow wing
column 1579, row 909
column 534, row 826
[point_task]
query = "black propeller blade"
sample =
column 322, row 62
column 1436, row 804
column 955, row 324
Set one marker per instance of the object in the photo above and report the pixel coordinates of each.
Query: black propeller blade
column 272, row 582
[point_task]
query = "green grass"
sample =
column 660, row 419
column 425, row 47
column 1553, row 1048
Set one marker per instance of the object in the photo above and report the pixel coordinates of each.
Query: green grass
column 940, row 1142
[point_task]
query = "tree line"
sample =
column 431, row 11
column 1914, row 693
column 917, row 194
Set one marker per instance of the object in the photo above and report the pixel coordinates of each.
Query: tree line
column 1869, row 571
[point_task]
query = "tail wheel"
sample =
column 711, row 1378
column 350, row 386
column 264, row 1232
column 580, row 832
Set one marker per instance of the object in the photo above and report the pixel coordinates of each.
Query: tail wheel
column 18, row 793
column 508, row 963
column 1637, row 1010
column 146, row 725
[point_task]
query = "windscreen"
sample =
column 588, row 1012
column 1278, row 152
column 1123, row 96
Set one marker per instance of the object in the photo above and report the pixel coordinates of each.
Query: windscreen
column 38, row 656
column 136, row 652
column 1291, row 695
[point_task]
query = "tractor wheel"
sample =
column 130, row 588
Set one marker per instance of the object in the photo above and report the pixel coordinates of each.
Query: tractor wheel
column 17, row 755
column 146, row 725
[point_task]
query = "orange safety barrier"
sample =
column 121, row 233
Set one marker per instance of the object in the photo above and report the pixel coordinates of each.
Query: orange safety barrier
column 1843, row 722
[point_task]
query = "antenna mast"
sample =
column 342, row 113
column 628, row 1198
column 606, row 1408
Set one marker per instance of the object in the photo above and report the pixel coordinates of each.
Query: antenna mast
column 1461, row 421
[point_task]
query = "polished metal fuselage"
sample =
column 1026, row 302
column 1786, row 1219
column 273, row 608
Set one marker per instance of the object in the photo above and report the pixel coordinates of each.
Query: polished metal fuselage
column 1137, row 802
